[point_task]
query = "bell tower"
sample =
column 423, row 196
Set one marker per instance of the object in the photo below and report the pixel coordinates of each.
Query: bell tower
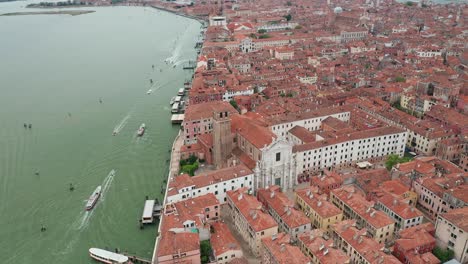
column 222, row 139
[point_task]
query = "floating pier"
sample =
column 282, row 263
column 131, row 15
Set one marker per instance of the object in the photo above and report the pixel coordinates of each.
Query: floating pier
column 190, row 65
column 177, row 118
column 151, row 211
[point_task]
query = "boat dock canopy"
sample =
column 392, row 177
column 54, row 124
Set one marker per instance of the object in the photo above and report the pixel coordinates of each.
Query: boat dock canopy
column 147, row 216
column 175, row 108
column 177, row 118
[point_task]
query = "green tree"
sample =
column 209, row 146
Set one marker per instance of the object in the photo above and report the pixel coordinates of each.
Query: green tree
column 442, row 254
column 234, row 104
column 189, row 168
column 394, row 159
column 288, row 17
column 289, row 3
column 298, row 27
column 264, row 36
column 409, row 3
column 262, row 31
column 205, row 251
column 400, row 79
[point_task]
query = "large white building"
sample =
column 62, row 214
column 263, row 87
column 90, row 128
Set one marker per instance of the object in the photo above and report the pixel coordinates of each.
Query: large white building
column 278, row 157
column 218, row 182
column 347, row 149
column 278, row 27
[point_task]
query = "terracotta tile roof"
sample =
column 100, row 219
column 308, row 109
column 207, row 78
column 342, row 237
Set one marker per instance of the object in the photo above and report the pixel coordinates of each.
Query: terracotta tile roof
column 426, row 258
column 222, row 239
column 256, row 134
column 250, row 208
column 458, row 218
column 318, row 202
column 415, row 237
column 286, row 118
column 380, row 131
column 334, row 123
column 329, row 178
column 362, row 207
column 394, row 187
column 369, row 180
column 302, row 134
column 368, row 248
column 244, row 158
column 401, row 208
column 189, row 210
column 205, row 110
column 174, row 237
column 173, row 243
column 322, row 249
column 282, row 251
column 279, row 202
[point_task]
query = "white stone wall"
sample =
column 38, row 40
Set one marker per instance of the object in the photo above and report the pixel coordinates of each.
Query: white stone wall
column 349, row 152
column 219, row 189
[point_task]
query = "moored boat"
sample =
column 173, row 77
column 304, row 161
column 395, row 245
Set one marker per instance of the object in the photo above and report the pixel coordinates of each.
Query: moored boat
column 141, row 130
column 105, row 256
column 93, row 198
column 173, row 100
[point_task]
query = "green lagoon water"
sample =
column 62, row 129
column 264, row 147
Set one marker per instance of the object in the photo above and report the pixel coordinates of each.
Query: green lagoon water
column 53, row 71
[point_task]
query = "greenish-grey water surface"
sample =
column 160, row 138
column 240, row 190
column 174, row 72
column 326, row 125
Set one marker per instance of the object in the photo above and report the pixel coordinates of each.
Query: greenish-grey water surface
column 53, row 71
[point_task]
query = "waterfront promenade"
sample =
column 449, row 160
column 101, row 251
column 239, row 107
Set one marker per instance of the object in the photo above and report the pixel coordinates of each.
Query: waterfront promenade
column 173, row 171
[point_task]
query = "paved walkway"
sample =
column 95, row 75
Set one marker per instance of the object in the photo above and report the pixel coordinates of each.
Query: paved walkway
column 175, row 155
column 251, row 259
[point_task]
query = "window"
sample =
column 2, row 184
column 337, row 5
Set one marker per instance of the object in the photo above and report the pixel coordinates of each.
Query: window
column 278, row 156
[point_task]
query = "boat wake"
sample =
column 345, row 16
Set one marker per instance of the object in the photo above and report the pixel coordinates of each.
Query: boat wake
column 84, row 220
column 121, row 124
column 179, row 62
column 107, row 183
column 175, row 55
column 85, row 216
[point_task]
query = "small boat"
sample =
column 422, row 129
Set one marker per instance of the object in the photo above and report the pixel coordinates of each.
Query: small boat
column 114, row 133
column 149, row 91
column 108, row 257
column 173, row 100
column 141, row 130
column 93, row 198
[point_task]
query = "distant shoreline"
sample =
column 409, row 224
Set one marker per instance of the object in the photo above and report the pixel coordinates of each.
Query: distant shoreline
column 67, row 12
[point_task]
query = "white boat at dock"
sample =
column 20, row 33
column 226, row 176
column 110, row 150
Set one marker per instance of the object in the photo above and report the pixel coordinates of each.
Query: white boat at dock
column 108, row 257
column 150, row 91
column 172, row 100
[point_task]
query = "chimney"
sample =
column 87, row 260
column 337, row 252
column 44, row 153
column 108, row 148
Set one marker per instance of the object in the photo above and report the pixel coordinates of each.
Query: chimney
column 282, row 247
